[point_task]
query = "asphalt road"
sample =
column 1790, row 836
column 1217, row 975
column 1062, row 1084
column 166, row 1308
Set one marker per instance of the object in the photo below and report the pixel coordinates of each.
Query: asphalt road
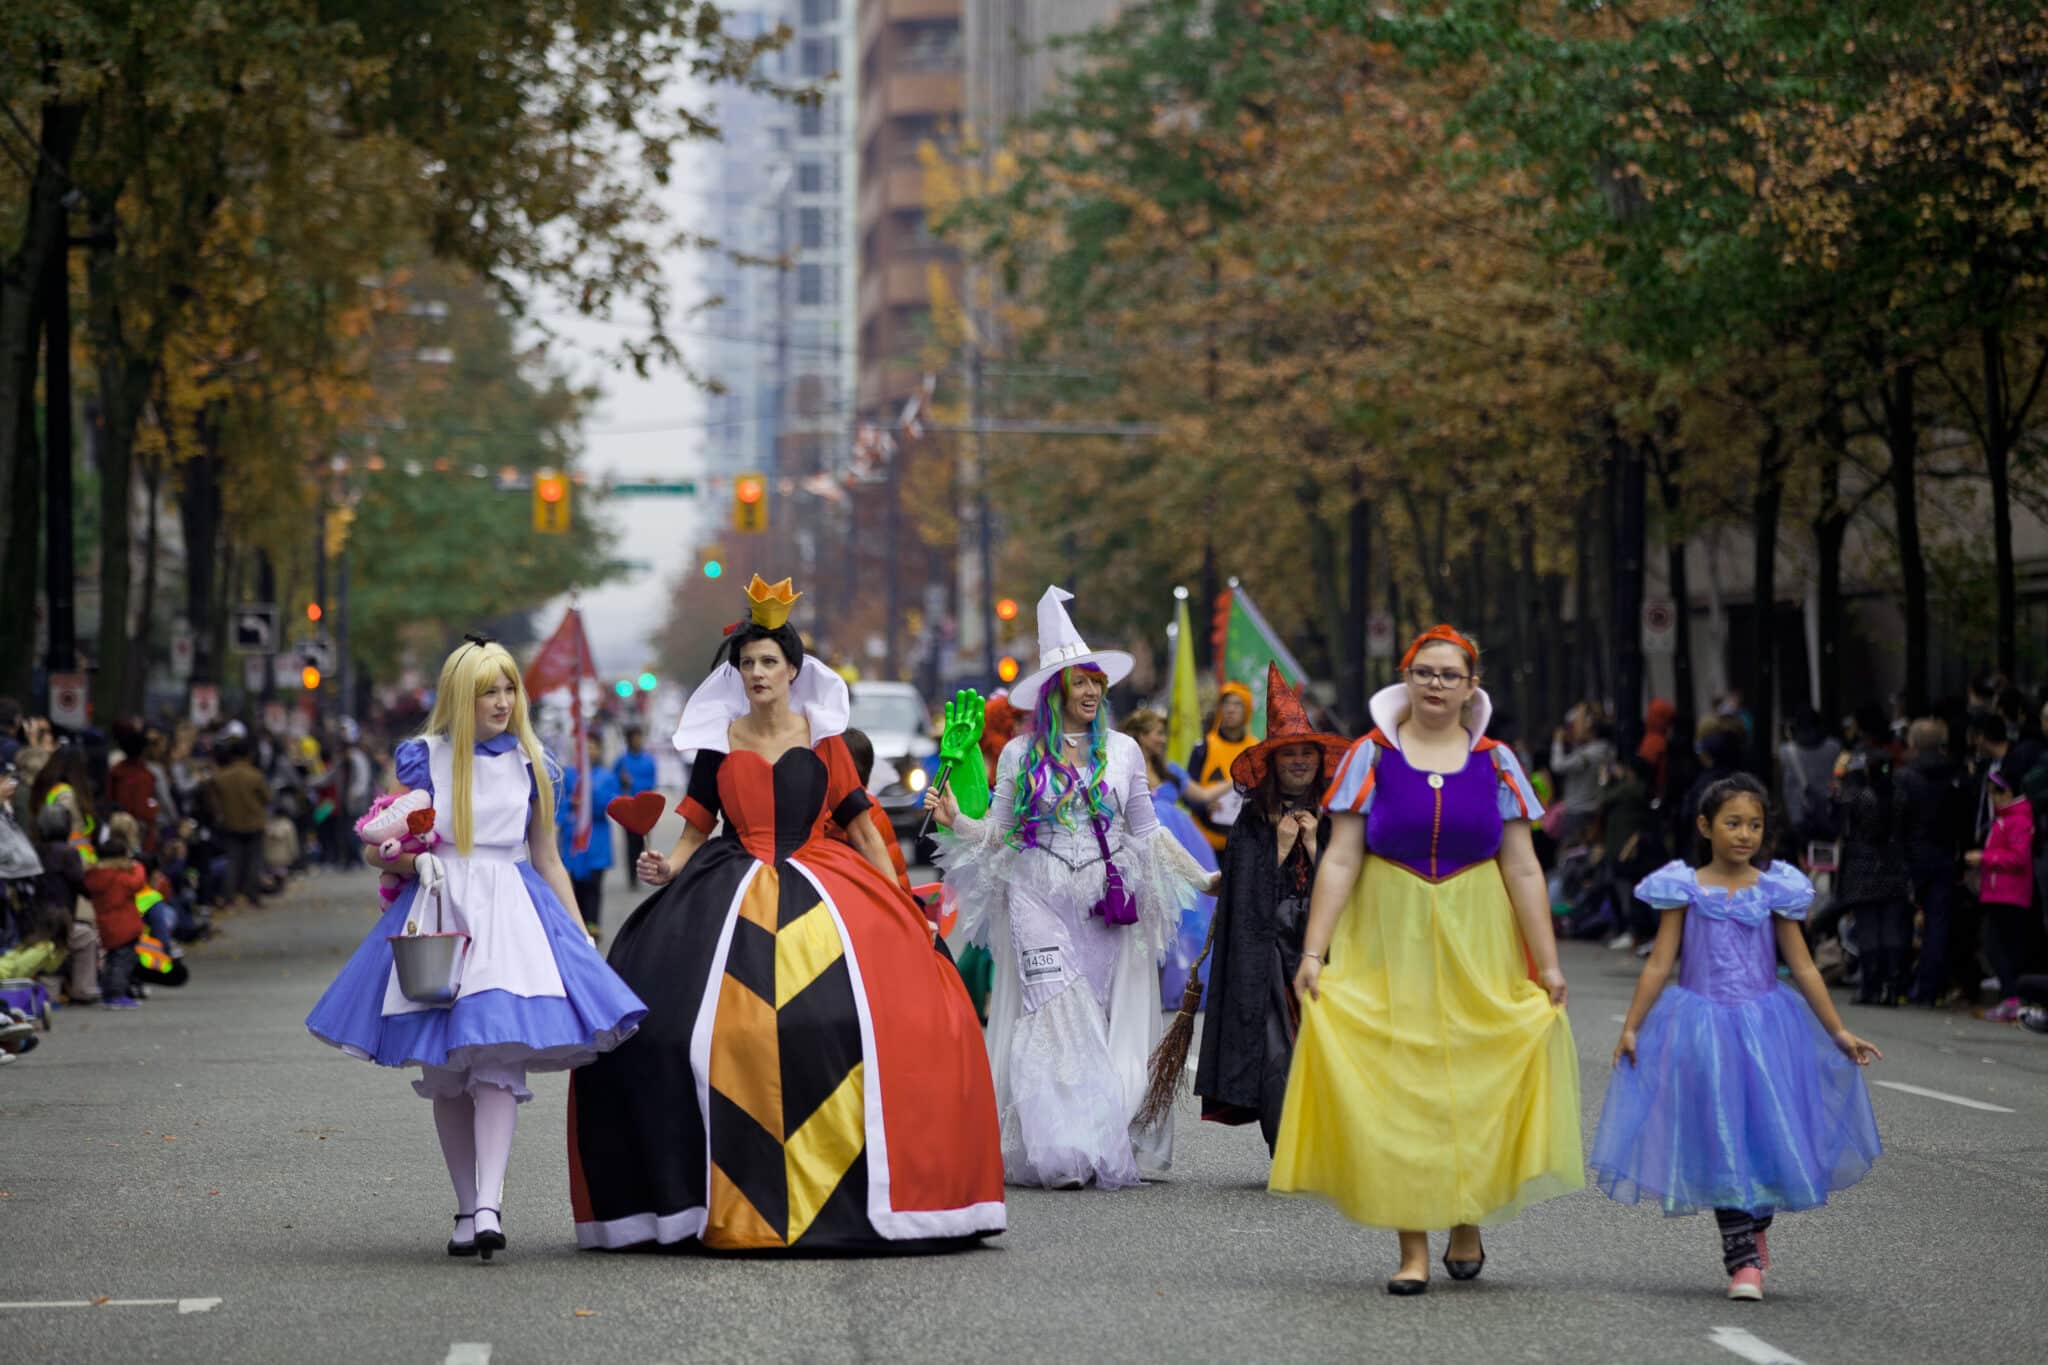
column 267, row 1199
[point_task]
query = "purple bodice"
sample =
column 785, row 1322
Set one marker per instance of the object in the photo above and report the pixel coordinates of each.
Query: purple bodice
column 1728, row 960
column 1434, row 831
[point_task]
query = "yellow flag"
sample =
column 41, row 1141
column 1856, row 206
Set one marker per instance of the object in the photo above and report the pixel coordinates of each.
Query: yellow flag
column 1184, row 705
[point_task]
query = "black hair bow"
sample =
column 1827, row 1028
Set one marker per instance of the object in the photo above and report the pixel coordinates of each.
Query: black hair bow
column 478, row 638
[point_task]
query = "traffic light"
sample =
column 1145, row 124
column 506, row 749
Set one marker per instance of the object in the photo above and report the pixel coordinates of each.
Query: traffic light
column 309, row 678
column 313, row 612
column 647, row 681
column 624, row 687
column 1006, row 669
column 550, row 503
column 750, row 503
column 1006, row 608
column 712, row 568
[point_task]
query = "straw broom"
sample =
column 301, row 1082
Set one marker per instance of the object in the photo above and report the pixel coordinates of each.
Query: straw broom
column 1170, row 1059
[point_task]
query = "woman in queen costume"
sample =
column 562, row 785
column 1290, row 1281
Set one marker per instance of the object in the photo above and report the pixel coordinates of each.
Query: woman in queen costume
column 1434, row 1083
column 811, row 1076
column 1076, row 888
column 534, row 995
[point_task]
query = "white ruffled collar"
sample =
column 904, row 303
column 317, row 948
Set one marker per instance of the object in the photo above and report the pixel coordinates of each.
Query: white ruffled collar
column 1389, row 707
column 818, row 695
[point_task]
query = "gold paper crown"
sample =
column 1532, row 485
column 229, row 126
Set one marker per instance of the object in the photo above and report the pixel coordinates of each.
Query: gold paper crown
column 771, row 602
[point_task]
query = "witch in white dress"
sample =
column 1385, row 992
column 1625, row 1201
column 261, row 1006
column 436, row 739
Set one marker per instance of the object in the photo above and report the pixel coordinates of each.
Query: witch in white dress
column 1076, row 888
column 533, row 994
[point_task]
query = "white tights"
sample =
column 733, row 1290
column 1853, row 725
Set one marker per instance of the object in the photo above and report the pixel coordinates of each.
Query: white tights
column 476, row 1142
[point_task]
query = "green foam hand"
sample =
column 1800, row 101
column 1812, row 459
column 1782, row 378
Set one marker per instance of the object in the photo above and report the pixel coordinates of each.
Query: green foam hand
column 960, row 748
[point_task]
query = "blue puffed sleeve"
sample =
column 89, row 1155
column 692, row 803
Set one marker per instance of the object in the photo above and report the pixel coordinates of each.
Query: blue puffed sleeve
column 1786, row 890
column 555, row 771
column 1670, row 887
column 409, row 760
column 1518, row 798
column 1351, row 787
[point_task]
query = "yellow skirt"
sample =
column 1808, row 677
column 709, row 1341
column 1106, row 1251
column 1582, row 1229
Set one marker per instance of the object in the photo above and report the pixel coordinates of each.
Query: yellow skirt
column 1433, row 1083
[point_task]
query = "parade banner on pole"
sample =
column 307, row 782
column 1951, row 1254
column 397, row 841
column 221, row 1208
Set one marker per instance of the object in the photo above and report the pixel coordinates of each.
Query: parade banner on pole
column 564, row 661
column 1184, row 703
column 1244, row 645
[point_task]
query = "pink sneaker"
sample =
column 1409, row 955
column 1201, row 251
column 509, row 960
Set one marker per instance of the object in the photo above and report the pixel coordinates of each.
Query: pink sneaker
column 1747, row 1283
column 2004, row 1012
column 1763, row 1251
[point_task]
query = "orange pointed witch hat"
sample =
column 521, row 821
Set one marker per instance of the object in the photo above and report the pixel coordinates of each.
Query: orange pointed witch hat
column 1286, row 725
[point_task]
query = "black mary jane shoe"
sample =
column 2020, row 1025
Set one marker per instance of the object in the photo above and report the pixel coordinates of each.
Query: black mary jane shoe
column 1405, row 1289
column 488, row 1242
column 1465, row 1270
column 468, row 1248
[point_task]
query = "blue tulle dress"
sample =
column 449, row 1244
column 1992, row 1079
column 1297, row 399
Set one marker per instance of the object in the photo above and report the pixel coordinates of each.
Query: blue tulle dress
column 1738, row 1099
column 1193, row 930
column 534, row 996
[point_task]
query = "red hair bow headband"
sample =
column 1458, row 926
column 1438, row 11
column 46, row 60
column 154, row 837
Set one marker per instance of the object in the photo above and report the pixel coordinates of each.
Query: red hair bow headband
column 1438, row 635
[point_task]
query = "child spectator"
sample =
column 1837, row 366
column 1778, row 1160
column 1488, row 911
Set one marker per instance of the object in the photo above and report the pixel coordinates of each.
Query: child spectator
column 113, row 885
column 68, row 903
column 2007, row 887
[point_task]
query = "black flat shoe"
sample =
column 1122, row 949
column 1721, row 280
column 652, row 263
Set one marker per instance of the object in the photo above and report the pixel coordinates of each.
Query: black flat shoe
column 1465, row 1270
column 468, row 1248
column 1405, row 1289
column 488, row 1242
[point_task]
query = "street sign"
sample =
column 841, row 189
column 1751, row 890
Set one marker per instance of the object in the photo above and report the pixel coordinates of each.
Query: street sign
column 183, row 647
column 205, row 703
column 255, row 628
column 252, row 673
column 1379, row 636
column 647, row 488
column 318, row 652
column 1660, row 626
column 67, row 700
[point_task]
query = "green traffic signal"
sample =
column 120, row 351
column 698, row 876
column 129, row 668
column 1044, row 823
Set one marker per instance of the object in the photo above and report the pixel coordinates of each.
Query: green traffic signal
column 623, row 687
column 647, row 681
column 712, row 568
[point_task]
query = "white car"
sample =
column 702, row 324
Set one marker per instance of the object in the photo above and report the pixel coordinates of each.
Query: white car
column 896, row 721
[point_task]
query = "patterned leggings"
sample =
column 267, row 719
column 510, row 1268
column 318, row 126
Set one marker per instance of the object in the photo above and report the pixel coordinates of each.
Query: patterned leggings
column 1738, row 1237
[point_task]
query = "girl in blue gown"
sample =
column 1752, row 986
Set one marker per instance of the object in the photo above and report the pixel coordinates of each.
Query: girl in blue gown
column 1729, row 1092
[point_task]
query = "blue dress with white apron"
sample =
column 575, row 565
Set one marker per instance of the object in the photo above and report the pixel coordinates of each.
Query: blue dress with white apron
column 534, row 995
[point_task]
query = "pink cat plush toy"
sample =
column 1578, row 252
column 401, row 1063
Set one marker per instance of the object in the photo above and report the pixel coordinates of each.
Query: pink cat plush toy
column 398, row 824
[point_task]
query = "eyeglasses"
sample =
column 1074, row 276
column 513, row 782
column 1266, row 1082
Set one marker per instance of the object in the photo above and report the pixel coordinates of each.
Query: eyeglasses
column 1429, row 677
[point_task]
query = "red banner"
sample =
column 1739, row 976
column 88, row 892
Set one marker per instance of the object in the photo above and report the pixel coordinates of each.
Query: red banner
column 564, row 661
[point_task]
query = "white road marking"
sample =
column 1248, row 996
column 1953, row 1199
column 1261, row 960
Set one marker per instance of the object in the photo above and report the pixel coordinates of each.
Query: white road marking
column 1925, row 1093
column 1750, row 1348
column 182, row 1305
column 468, row 1353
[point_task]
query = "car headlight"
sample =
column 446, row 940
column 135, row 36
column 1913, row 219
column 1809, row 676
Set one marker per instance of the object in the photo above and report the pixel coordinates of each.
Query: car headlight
column 917, row 780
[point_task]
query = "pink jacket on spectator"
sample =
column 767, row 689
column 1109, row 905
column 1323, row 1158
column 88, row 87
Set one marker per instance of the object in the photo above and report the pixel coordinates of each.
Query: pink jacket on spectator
column 2009, row 857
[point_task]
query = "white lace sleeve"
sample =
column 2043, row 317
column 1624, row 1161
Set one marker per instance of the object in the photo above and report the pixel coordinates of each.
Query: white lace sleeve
column 1163, row 876
column 974, row 858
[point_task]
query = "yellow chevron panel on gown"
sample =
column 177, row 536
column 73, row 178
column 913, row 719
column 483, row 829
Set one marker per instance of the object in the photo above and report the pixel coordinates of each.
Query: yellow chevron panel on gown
column 762, row 899
column 746, row 1054
column 804, row 947
column 817, row 1155
column 733, row 1222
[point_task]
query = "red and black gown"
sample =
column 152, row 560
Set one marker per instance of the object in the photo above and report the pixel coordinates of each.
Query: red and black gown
column 810, row 1075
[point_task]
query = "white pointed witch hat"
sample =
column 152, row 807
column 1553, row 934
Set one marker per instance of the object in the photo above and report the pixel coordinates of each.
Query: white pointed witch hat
column 1061, row 646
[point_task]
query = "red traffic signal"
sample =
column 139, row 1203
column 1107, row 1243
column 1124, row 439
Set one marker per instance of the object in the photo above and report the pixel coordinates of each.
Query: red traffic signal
column 313, row 611
column 1006, row 669
column 749, row 490
column 551, row 488
column 1006, row 608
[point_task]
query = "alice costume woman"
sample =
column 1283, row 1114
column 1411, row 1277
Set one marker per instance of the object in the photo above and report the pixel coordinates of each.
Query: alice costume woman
column 1074, row 1007
column 1434, row 1083
column 1738, row 1100
column 533, row 995
column 811, row 1077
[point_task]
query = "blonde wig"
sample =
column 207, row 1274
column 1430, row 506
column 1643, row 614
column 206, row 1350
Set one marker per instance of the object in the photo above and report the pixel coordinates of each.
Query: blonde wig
column 467, row 674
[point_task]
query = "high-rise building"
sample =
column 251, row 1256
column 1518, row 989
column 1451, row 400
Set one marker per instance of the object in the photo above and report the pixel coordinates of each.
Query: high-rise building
column 1012, row 63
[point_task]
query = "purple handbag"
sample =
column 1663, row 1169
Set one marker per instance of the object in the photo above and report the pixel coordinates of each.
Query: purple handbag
column 1118, row 905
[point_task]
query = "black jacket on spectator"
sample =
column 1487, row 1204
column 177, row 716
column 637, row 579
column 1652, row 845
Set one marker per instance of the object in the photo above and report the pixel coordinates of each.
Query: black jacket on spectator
column 1932, row 807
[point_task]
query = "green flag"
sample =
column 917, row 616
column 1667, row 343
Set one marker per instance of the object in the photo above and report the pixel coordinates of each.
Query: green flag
column 1245, row 644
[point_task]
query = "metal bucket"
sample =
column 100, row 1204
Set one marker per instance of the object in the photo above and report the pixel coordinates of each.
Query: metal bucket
column 429, row 966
